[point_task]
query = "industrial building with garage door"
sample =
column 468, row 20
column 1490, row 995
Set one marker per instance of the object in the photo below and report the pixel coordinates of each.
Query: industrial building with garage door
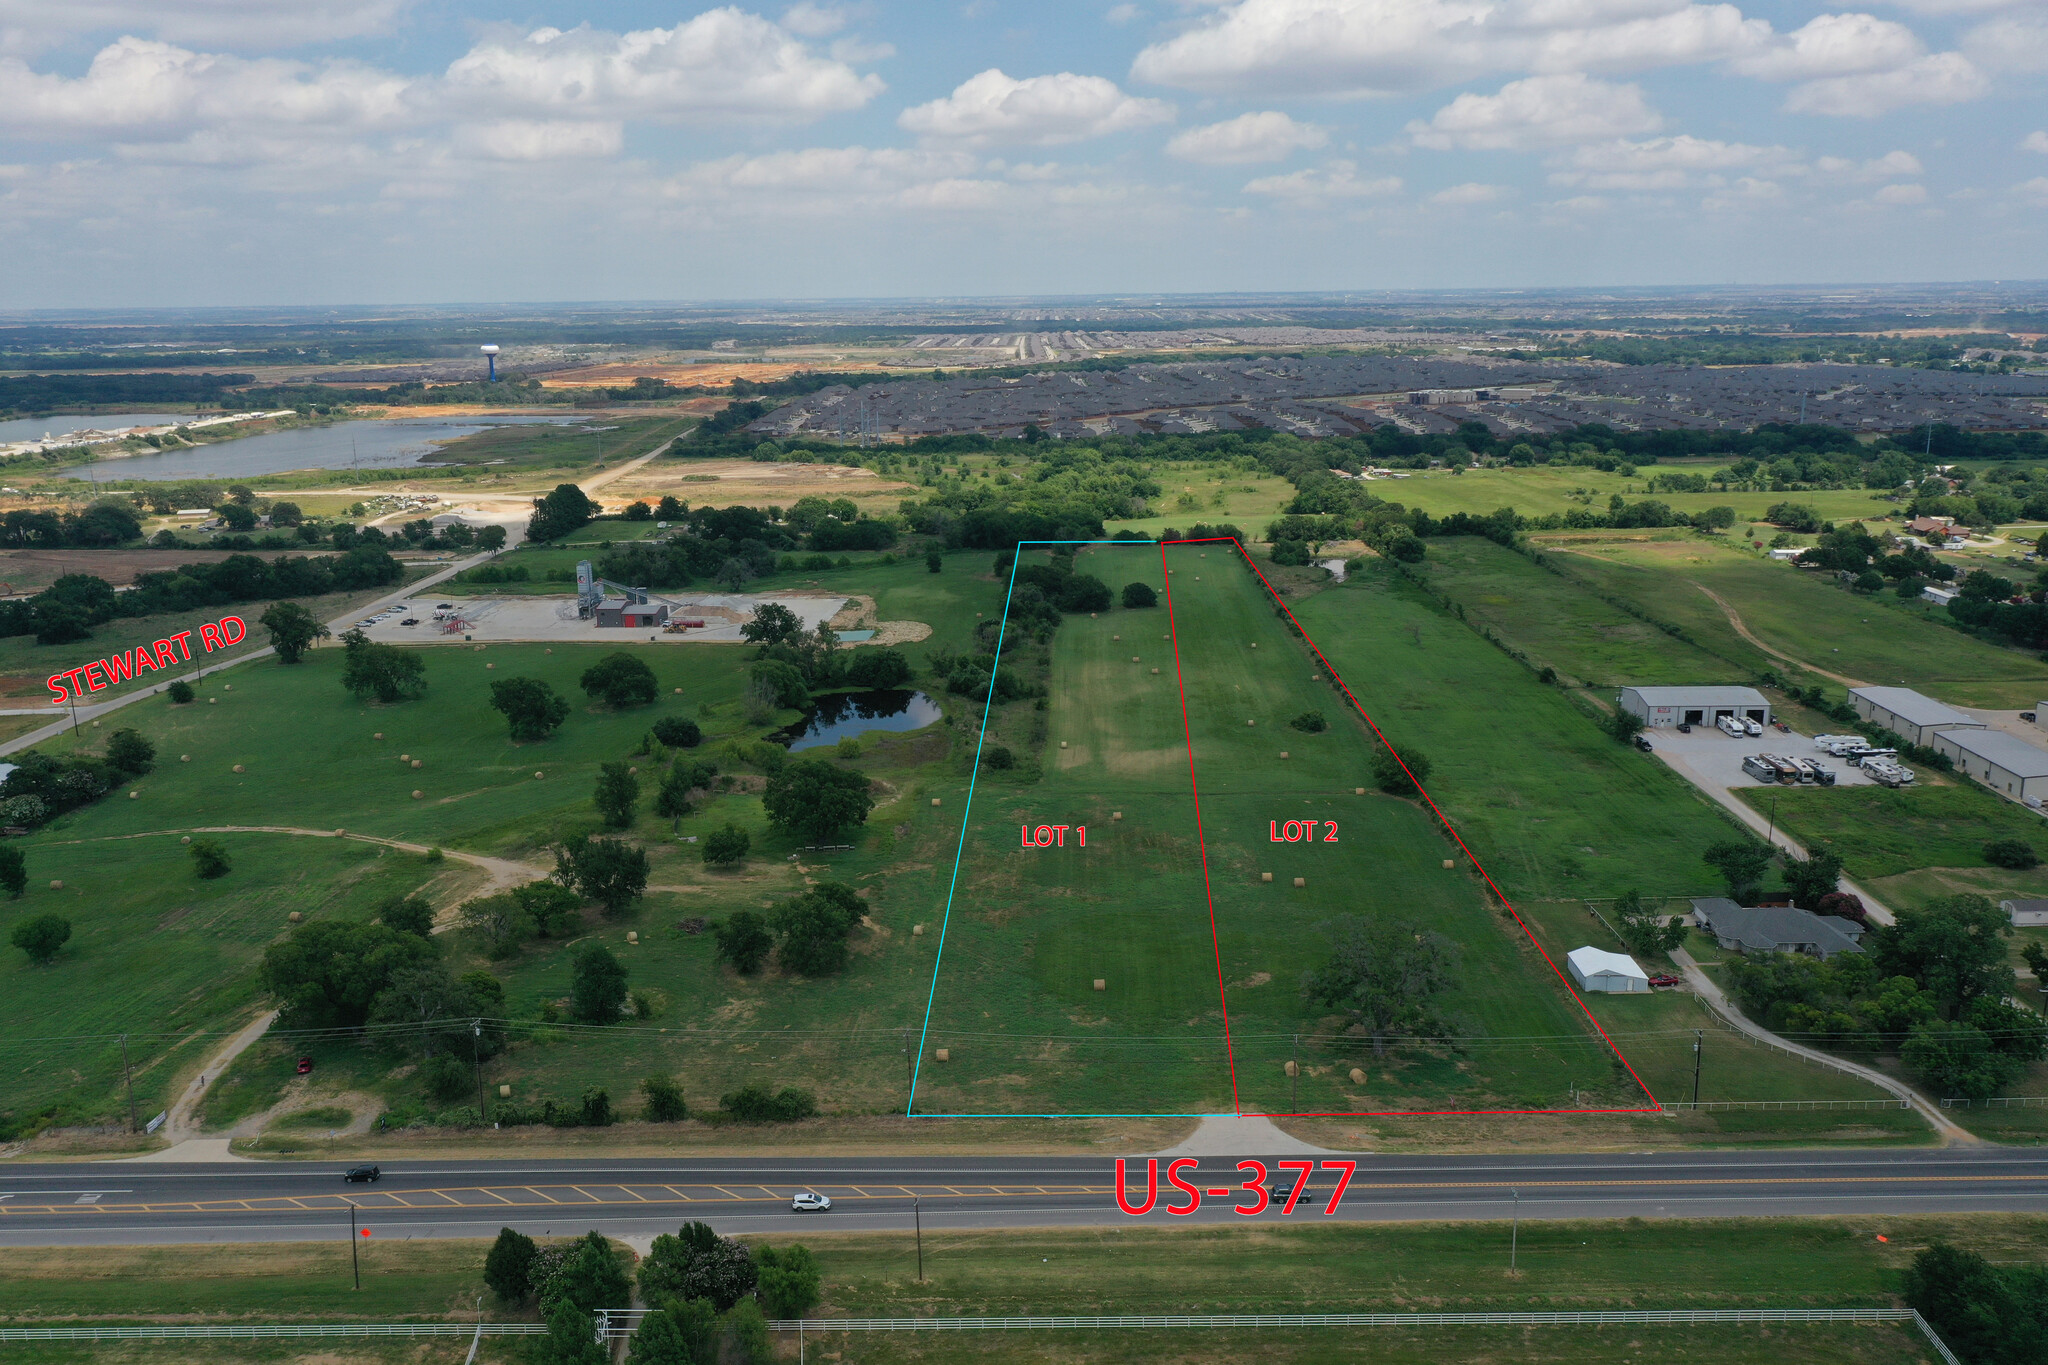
column 1669, row 706
column 1911, row 714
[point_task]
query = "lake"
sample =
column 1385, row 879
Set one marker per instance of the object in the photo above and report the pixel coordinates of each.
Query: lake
column 343, row 445
column 851, row 713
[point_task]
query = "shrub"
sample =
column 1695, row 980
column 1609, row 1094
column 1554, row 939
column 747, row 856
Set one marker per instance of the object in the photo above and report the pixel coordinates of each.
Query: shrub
column 408, row 915
column 597, row 984
column 749, row 1331
column 1310, row 723
column 697, row 1264
column 664, row 1100
column 533, row 709
column 507, row 1267
column 755, row 1104
column 210, row 859
column 596, row 1111
column 618, row 793
column 932, row 562
column 744, row 941
column 877, row 668
column 999, row 757
column 724, row 847
column 2014, row 853
column 129, row 753
column 1138, row 595
column 678, row 733
column 789, row 1284
column 1386, row 770
column 13, row 871
column 41, row 937
column 619, row 681
column 446, row 1077
column 180, row 692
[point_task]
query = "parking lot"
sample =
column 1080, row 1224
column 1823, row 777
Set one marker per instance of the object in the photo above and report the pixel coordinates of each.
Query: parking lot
column 553, row 619
column 1709, row 758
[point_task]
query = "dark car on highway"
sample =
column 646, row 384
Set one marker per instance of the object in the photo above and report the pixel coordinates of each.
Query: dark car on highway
column 362, row 1175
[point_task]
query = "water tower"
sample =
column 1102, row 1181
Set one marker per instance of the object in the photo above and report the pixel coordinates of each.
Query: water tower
column 491, row 354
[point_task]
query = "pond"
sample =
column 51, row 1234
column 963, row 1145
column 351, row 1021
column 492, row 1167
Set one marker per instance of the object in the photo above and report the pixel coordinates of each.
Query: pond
column 840, row 714
column 342, row 445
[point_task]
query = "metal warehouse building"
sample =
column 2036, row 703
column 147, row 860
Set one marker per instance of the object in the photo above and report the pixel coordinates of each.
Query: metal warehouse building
column 2005, row 763
column 1694, row 705
column 1909, row 713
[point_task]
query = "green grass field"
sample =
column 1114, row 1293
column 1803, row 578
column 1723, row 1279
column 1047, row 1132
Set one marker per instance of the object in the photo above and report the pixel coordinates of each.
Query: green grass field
column 1801, row 615
column 1537, row 492
column 1882, row 832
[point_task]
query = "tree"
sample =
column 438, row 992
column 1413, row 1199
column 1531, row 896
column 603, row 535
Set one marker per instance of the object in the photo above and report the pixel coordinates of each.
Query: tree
column 384, row 672
column 789, row 1283
column 210, row 859
column 1954, row 947
column 2034, row 954
column 597, row 985
column 726, row 846
column 663, row 1339
column 638, row 511
column 777, row 683
column 1310, row 723
column 1976, row 1308
column 1645, row 931
column 491, row 538
column 618, row 793
column 749, row 1332
column 1624, row 725
column 744, row 941
column 670, row 508
column 2017, row 854
column 293, row 630
column 1959, row 1060
column 1813, row 879
column 571, row 1339
column 773, row 624
column 1386, row 975
column 813, row 933
column 1741, row 863
column 877, row 668
column 408, row 915
column 180, row 693
column 815, row 800
column 327, row 974
column 1137, row 595
column 129, row 754
column 41, row 937
column 560, row 512
column 555, row 910
column 534, row 709
column 1387, row 770
column 664, row 1100
column 619, row 681
column 13, row 871
column 697, row 1263
column 932, row 562
column 678, row 733
column 424, row 1010
column 506, row 1267
column 611, row 872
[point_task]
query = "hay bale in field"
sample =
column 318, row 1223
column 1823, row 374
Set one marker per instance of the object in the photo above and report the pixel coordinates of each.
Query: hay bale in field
column 405, row 758
column 1116, row 637
column 504, row 1092
column 537, row 776
column 1116, row 815
column 679, row 691
column 57, row 886
column 294, row 917
column 632, row 936
column 1134, row 658
column 917, row 931
column 417, row 794
column 935, row 800
column 225, row 687
column 1251, row 722
column 134, row 795
column 378, row 735
column 339, row 831
column 1091, row 616
column 238, row 767
column 213, row 701
column 1255, row 644
column 95, row 725
column 184, row 758
column 943, row 1054
column 1100, row 984
column 1358, row 791
column 1292, row 1069
column 490, row 665
column 1300, row 882
column 1265, row 876
column 1357, row 1076
column 632, row 772
column 186, row 840
column 1450, row 863
column 418, row 764
column 1155, row 672
column 1283, row 753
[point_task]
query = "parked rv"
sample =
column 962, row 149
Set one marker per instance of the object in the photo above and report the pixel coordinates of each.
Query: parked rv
column 1730, row 726
column 1752, row 728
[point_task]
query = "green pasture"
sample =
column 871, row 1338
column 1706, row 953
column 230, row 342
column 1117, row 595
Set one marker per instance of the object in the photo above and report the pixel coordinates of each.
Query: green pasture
column 577, row 444
column 1883, row 832
column 1802, row 615
column 161, row 955
column 1209, row 493
column 1557, row 623
column 1541, row 491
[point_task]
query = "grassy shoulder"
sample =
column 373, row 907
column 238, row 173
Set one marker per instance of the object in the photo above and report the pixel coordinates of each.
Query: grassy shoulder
column 1884, row 831
column 1540, row 491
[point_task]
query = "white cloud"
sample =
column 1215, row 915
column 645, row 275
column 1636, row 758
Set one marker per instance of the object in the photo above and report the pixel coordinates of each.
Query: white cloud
column 2034, row 191
column 1122, row 14
column 1943, row 78
column 520, row 139
column 2035, row 142
column 138, row 88
column 1466, row 195
column 1890, row 166
column 723, row 62
column 1334, row 180
column 857, row 171
column 810, row 20
column 1834, row 45
column 1900, row 196
column 1665, row 163
column 1373, row 47
column 1940, row 7
column 28, row 26
column 1265, row 136
column 1542, row 111
column 2015, row 43
column 1037, row 111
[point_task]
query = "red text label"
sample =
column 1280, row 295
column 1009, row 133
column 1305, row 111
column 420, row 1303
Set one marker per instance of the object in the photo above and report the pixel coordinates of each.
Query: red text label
column 129, row 664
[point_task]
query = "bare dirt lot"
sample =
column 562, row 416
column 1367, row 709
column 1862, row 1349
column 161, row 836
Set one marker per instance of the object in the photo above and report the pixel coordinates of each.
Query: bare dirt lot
column 702, row 376
column 554, row 620
column 33, row 570
column 728, row 483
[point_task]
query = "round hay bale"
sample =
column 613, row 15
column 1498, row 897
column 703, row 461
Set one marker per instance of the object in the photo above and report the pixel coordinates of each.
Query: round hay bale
column 537, row 776
column 1265, row 876
column 417, row 794
column 632, row 772
column 134, row 796
column 1255, row 644
column 225, row 687
column 1063, row 744
column 917, row 931
column 490, row 665
column 294, row 917
column 57, row 886
column 1116, row 815
column 1116, row 637
column 95, row 725
column 1357, row 1076
column 1251, row 722
column 339, row 831
column 1100, row 984
column 935, row 800
column 213, row 701
column 632, row 936
column 184, row 758
column 1167, row 636
column 679, row 691
column 1283, row 753
column 1134, row 658
column 238, row 767
column 1358, row 791
column 550, row 651
column 1091, row 616
column 504, row 1092
column 1155, row 672
column 418, row 764
column 186, row 839
column 378, row 735
column 1315, row 677
column 1300, row 882
column 405, row 758
column 943, row 1054
column 1293, row 1070
column 1450, row 863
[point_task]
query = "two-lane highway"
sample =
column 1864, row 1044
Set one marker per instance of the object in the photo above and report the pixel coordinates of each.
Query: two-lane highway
column 113, row 1203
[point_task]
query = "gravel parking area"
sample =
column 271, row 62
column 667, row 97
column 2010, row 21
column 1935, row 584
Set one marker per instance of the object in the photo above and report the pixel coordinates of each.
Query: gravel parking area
column 1707, row 757
column 553, row 619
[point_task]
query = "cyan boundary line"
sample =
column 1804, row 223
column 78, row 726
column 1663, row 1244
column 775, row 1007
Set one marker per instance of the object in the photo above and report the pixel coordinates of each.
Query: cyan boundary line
column 1452, row 830
column 939, row 957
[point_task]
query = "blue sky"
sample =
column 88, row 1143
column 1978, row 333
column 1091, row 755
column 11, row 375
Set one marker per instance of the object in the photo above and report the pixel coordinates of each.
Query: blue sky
column 184, row 152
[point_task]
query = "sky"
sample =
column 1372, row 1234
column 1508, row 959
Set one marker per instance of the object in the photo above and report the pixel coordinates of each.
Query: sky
column 248, row 152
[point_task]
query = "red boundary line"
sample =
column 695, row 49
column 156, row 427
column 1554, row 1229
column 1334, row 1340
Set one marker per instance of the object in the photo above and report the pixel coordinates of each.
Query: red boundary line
column 1201, row 842
column 1449, row 828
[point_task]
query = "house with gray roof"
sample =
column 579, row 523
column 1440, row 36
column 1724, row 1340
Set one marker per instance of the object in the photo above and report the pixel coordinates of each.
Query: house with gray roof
column 2025, row 912
column 1776, row 928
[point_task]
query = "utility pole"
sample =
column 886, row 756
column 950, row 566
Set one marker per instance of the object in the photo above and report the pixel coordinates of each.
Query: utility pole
column 128, row 1078
column 1515, row 1233
column 917, row 1216
column 476, row 1054
column 909, row 1061
column 1699, row 1046
column 1294, row 1077
column 355, row 1259
column 1771, row 834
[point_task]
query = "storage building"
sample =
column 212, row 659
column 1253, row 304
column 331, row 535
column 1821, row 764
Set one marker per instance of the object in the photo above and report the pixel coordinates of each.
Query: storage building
column 621, row 611
column 2005, row 763
column 2026, row 912
column 1694, row 705
column 1909, row 713
column 1615, row 973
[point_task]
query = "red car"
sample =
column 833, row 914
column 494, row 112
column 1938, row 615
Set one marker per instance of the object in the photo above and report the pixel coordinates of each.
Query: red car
column 1665, row 981
column 305, row 1065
